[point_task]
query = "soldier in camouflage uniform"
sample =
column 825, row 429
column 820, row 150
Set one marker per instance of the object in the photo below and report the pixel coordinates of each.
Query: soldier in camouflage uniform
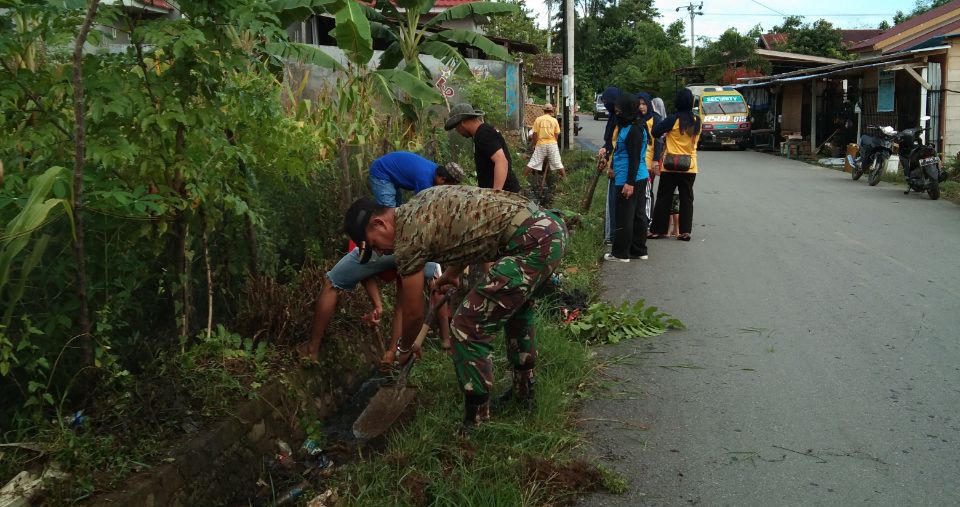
column 459, row 226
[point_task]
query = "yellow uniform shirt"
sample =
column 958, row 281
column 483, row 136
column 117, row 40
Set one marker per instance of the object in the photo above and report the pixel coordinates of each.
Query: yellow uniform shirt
column 547, row 128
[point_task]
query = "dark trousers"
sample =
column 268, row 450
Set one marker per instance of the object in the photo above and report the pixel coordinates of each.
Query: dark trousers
column 630, row 235
column 661, row 212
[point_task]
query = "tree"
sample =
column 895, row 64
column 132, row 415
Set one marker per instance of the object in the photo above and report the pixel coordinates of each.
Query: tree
column 819, row 38
column 920, row 7
column 519, row 26
column 884, row 25
column 729, row 52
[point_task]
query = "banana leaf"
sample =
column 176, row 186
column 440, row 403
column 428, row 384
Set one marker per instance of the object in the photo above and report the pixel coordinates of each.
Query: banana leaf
column 476, row 40
column 472, row 9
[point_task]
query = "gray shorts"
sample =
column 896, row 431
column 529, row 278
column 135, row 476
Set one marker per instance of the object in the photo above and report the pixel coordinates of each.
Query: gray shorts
column 348, row 271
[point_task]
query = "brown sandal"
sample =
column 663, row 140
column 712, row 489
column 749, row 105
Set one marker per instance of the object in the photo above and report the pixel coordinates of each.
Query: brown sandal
column 684, row 237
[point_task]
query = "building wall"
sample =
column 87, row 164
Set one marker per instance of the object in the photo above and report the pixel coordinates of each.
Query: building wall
column 951, row 116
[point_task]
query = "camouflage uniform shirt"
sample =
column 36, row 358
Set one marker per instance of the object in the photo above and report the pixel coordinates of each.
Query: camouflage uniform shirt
column 454, row 224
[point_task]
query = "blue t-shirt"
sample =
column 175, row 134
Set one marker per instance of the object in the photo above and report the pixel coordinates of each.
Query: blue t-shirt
column 621, row 160
column 406, row 170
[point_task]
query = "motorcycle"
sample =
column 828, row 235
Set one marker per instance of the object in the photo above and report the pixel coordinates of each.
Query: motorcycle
column 875, row 150
column 920, row 163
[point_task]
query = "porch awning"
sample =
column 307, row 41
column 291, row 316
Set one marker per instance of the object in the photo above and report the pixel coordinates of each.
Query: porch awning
column 808, row 77
column 841, row 68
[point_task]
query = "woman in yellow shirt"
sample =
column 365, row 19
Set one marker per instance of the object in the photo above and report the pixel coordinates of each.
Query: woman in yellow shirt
column 679, row 167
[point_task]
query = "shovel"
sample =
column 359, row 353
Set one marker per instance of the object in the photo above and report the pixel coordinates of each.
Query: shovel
column 390, row 401
column 588, row 199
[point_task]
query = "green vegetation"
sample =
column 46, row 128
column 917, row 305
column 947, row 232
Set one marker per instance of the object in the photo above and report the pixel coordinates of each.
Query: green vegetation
column 920, row 7
column 152, row 285
column 819, row 38
column 605, row 323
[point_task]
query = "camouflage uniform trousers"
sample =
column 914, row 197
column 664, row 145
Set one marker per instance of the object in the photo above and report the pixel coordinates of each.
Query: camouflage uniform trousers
column 503, row 300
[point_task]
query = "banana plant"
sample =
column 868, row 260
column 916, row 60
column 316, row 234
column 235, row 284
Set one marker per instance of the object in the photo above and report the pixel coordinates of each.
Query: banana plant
column 399, row 23
column 19, row 231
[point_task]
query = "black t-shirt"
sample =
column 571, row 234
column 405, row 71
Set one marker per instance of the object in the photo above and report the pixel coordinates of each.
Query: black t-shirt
column 487, row 141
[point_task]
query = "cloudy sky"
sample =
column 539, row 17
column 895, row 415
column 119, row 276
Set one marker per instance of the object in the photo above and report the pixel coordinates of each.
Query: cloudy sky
column 718, row 15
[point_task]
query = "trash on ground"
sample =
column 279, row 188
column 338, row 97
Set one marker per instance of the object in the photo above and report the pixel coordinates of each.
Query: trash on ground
column 830, row 161
column 325, row 499
column 25, row 486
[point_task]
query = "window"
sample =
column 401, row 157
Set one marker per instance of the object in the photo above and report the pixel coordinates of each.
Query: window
column 885, row 90
column 724, row 107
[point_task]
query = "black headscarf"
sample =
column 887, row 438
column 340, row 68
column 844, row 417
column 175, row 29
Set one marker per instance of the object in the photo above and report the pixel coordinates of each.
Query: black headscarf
column 609, row 97
column 646, row 98
column 689, row 122
column 628, row 110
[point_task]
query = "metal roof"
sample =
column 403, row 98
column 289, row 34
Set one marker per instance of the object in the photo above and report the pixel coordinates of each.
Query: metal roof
column 839, row 68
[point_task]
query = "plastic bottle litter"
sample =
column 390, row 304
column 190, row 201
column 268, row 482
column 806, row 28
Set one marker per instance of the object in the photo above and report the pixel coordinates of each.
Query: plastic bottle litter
column 75, row 420
column 291, row 495
column 312, row 447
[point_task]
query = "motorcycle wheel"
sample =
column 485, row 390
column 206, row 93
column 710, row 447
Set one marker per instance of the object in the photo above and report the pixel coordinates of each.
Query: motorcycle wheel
column 877, row 171
column 856, row 171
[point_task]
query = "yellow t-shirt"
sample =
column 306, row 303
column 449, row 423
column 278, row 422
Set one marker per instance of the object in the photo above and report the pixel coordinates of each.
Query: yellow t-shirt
column 547, row 128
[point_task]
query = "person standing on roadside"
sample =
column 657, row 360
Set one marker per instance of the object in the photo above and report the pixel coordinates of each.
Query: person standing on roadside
column 491, row 153
column 609, row 97
column 648, row 118
column 679, row 168
column 630, row 179
column 546, row 130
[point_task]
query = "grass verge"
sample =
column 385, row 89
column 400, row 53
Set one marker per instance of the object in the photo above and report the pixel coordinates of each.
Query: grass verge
column 518, row 459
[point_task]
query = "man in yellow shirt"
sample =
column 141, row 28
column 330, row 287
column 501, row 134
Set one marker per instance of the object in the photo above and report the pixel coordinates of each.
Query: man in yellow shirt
column 545, row 132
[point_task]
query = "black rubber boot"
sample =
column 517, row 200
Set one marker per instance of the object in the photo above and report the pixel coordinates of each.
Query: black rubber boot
column 475, row 413
column 521, row 392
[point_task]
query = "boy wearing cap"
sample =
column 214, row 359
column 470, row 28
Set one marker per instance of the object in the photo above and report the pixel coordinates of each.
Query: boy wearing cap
column 389, row 175
column 546, row 130
column 459, row 226
column 490, row 151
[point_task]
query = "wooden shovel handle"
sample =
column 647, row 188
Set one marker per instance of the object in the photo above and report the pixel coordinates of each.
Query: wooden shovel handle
column 431, row 314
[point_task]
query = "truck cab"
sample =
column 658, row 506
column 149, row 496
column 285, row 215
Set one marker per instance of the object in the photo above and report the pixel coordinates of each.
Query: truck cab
column 724, row 115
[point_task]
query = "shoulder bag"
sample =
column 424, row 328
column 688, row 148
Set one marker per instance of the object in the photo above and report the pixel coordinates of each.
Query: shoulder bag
column 674, row 162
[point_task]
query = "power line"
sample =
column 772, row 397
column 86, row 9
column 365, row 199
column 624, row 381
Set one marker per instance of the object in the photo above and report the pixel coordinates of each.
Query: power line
column 768, row 7
column 825, row 15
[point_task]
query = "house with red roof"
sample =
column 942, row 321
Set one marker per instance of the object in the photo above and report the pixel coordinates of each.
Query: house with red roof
column 115, row 37
column 898, row 77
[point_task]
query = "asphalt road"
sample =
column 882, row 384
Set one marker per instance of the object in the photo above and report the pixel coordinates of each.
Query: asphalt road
column 821, row 360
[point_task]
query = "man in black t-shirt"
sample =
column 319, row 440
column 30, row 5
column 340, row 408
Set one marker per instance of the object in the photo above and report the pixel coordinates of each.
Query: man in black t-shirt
column 491, row 154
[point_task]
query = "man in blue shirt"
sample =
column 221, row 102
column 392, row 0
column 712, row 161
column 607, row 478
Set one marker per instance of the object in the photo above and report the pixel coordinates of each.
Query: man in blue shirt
column 402, row 170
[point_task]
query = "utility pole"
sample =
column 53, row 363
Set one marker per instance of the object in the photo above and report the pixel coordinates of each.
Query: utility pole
column 549, row 40
column 694, row 10
column 569, row 20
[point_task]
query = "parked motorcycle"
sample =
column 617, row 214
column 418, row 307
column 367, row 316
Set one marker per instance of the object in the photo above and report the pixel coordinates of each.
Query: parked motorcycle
column 920, row 163
column 875, row 150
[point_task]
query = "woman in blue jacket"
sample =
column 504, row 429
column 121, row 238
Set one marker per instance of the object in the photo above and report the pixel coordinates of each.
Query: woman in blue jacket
column 630, row 178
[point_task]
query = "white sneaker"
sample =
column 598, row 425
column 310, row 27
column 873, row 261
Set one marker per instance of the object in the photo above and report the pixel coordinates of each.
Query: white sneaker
column 611, row 257
column 644, row 257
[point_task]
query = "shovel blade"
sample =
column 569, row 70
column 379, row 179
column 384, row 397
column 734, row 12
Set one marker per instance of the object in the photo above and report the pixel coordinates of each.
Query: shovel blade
column 384, row 409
